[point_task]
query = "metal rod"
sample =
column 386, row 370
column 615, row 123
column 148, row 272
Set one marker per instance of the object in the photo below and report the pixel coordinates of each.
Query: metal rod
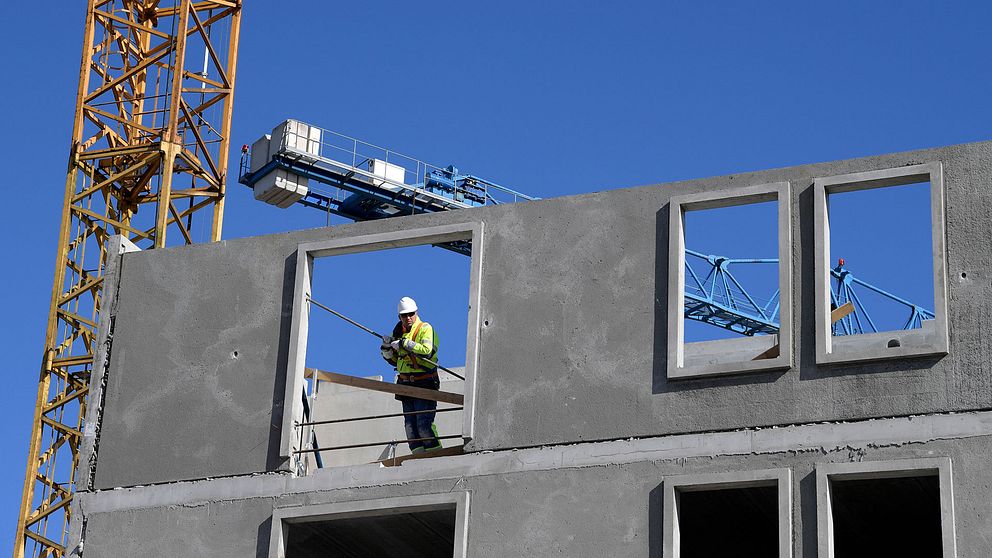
column 314, row 450
column 347, row 319
column 353, row 419
column 383, row 337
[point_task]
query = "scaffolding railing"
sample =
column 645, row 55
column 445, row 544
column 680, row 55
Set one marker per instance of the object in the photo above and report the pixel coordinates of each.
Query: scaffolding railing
column 309, row 444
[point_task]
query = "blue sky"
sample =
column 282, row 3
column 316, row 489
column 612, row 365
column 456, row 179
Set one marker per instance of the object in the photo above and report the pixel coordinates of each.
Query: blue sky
column 550, row 98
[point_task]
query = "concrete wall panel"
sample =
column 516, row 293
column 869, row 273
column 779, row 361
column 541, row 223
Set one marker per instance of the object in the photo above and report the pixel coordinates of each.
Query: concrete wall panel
column 605, row 510
column 574, row 294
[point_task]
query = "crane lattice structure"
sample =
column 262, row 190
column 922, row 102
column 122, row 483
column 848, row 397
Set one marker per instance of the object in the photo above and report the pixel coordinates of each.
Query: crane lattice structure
column 358, row 180
column 151, row 128
column 860, row 321
column 713, row 295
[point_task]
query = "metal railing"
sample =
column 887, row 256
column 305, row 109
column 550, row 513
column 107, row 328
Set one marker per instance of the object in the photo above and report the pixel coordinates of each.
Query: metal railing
column 308, row 443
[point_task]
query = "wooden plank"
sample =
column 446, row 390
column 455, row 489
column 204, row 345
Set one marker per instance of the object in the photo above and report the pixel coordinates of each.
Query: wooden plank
column 394, row 461
column 839, row 313
column 772, row 352
column 836, row 314
column 386, row 387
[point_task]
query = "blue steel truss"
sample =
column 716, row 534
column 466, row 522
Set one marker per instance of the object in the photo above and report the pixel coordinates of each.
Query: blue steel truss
column 718, row 298
column 860, row 321
column 359, row 195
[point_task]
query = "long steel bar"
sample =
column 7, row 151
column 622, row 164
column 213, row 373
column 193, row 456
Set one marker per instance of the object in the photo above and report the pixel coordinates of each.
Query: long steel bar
column 380, row 336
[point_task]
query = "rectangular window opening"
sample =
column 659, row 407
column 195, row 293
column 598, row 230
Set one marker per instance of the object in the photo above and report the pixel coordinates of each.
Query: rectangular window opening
column 348, row 405
column 876, row 517
column 739, row 522
column 366, row 287
column 746, row 514
column 427, row 534
column 880, row 275
column 894, row 508
column 427, row 526
column 730, row 282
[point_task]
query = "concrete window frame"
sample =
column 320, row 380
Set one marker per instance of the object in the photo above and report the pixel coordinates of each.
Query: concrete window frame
column 681, row 363
column 282, row 517
column 779, row 478
column 307, row 252
column 887, row 344
column 898, row 468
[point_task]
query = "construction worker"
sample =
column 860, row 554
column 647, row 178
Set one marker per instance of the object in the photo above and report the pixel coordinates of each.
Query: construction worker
column 412, row 350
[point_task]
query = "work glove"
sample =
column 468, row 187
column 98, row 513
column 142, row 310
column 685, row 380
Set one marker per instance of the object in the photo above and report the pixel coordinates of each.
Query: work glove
column 405, row 344
column 386, row 350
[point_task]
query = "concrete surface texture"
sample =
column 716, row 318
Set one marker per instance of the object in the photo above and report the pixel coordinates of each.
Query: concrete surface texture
column 572, row 351
column 524, row 502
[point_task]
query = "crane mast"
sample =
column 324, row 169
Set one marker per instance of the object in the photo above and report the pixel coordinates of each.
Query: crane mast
column 151, row 128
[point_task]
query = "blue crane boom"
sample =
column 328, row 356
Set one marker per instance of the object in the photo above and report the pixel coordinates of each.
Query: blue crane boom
column 366, row 181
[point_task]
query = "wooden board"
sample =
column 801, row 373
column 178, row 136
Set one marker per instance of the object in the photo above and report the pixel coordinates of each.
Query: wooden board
column 839, row 313
column 394, row 461
column 836, row 314
column 386, row 387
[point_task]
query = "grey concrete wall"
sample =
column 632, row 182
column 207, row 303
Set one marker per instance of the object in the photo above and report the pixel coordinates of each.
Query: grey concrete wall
column 192, row 386
column 611, row 509
column 573, row 292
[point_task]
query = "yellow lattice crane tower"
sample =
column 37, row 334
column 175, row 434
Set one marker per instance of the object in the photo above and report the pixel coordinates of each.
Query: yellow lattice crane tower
column 152, row 128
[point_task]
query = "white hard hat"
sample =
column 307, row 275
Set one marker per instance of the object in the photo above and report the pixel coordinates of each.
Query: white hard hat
column 406, row 305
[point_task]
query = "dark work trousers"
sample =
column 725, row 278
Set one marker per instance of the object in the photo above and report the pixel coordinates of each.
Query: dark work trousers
column 420, row 426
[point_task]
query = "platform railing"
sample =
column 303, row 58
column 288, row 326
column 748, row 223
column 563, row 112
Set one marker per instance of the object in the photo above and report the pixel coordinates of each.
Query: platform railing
column 308, row 441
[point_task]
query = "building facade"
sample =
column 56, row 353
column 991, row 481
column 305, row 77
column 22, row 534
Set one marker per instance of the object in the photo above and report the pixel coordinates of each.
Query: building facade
column 591, row 427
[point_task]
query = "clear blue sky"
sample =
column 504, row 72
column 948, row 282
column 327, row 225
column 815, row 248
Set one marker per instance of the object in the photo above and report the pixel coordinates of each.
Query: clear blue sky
column 550, row 98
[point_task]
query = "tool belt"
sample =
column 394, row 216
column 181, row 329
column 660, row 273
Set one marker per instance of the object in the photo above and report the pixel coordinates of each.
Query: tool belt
column 416, row 377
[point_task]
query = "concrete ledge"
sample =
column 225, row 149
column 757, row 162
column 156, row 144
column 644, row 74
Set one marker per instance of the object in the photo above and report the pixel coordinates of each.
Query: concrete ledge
column 821, row 438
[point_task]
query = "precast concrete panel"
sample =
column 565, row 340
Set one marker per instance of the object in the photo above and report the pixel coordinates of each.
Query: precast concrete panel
column 572, row 340
column 608, row 509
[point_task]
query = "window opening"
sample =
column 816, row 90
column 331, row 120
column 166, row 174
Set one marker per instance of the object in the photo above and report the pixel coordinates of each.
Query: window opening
column 730, row 294
column 740, row 522
column 740, row 513
column 880, row 248
column 731, row 286
column 421, row 534
column 880, row 276
column 886, row 517
column 356, row 408
column 901, row 507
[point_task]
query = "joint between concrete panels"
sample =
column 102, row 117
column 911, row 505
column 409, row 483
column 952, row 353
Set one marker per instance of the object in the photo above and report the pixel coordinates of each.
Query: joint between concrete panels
column 117, row 246
column 821, row 437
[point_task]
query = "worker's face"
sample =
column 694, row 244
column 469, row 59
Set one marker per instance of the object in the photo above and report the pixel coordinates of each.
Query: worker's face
column 408, row 319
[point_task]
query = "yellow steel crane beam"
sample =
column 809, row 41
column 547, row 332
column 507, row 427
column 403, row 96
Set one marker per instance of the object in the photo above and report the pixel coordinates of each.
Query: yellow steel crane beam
column 155, row 84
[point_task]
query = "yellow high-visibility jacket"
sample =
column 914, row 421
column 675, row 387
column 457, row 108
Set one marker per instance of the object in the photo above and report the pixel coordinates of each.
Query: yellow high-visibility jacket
column 424, row 349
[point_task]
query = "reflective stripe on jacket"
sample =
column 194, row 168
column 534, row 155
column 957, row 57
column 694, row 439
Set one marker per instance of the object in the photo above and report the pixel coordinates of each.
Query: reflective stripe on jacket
column 424, row 349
